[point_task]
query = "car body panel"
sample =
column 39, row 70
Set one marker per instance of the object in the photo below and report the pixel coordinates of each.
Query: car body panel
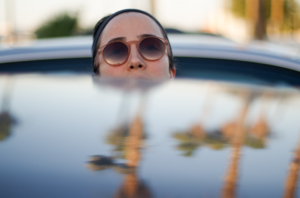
column 182, row 45
column 64, row 125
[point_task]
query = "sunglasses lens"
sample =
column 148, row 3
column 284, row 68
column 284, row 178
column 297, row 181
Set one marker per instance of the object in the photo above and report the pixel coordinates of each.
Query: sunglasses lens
column 115, row 53
column 152, row 48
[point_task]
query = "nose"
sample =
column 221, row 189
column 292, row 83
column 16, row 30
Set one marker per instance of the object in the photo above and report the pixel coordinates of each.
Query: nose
column 136, row 61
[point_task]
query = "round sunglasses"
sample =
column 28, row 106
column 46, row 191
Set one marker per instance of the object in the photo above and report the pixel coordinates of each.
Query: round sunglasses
column 150, row 48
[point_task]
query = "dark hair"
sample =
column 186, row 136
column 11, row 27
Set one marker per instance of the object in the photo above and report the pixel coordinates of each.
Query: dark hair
column 97, row 45
column 95, row 61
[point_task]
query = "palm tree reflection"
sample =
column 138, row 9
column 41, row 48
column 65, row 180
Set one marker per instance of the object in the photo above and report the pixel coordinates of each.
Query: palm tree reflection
column 234, row 134
column 6, row 119
column 132, row 186
column 190, row 140
column 236, row 138
column 196, row 136
column 119, row 138
column 291, row 182
column 254, row 136
column 127, row 142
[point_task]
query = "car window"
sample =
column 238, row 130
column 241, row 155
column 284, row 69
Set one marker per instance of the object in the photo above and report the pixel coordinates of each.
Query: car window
column 53, row 65
column 232, row 70
column 187, row 67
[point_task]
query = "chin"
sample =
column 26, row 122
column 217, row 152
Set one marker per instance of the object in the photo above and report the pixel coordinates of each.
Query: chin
column 140, row 77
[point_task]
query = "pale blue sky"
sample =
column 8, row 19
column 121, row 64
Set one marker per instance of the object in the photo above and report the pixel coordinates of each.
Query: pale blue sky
column 184, row 14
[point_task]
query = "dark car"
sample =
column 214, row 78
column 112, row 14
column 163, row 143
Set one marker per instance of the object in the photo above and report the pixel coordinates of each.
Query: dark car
column 227, row 127
column 82, row 136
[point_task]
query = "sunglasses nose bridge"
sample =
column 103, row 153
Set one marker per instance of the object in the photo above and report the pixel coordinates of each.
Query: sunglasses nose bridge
column 135, row 58
column 133, row 48
column 132, row 44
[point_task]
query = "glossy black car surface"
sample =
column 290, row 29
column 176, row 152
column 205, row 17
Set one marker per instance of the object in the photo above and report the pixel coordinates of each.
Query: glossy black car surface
column 81, row 136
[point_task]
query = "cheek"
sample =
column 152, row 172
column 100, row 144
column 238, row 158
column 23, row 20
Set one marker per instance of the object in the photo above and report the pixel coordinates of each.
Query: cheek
column 160, row 67
column 107, row 70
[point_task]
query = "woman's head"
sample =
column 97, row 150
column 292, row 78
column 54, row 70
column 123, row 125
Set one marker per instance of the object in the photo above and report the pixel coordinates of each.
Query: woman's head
column 126, row 26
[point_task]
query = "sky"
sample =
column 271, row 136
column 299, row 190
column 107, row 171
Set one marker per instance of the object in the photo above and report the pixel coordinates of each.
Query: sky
column 187, row 15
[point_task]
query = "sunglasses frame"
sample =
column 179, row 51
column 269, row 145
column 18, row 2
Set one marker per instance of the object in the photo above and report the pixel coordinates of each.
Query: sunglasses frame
column 137, row 44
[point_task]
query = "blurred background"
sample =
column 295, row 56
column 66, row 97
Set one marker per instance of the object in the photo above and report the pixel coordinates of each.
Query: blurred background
column 239, row 20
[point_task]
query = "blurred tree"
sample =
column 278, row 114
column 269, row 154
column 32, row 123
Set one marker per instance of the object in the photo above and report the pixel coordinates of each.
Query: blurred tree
column 153, row 7
column 188, row 144
column 291, row 182
column 216, row 141
column 191, row 140
column 6, row 122
column 6, row 119
column 254, row 137
column 129, row 139
column 118, row 137
column 60, row 25
column 254, row 142
column 281, row 15
column 291, row 20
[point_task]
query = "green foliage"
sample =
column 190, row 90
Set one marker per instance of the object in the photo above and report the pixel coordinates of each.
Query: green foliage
column 182, row 137
column 188, row 148
column 215, row 143
column 291, row 12
column 238, row 8
column 291, row 19
column 59, row 26
column 188, row 143
column 117, row 138
column 4, row 130
column 255, row 143
column 6, row 123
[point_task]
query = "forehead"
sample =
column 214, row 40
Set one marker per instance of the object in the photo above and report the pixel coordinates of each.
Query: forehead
column 130, row 25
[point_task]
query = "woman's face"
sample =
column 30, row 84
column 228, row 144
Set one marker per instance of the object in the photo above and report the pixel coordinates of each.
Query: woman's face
column 132, row 27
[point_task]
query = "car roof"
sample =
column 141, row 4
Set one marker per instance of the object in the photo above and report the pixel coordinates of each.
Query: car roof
column 56, row 130
column 183, row 45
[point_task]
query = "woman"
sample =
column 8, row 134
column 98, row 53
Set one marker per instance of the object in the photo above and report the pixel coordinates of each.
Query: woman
column 131, row 43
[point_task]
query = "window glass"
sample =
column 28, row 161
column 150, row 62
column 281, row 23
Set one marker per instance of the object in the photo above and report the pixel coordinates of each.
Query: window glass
column 231, row 70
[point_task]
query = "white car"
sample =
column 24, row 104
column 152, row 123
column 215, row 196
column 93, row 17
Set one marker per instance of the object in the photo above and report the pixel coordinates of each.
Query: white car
column 196, row 56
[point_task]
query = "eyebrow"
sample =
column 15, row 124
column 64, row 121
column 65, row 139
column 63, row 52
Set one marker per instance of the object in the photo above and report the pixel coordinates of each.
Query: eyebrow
column 145, row 35
column 124, row 38
column 117, row 39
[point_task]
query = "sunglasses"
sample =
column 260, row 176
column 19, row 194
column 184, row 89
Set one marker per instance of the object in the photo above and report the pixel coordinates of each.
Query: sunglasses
column 150, row 48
